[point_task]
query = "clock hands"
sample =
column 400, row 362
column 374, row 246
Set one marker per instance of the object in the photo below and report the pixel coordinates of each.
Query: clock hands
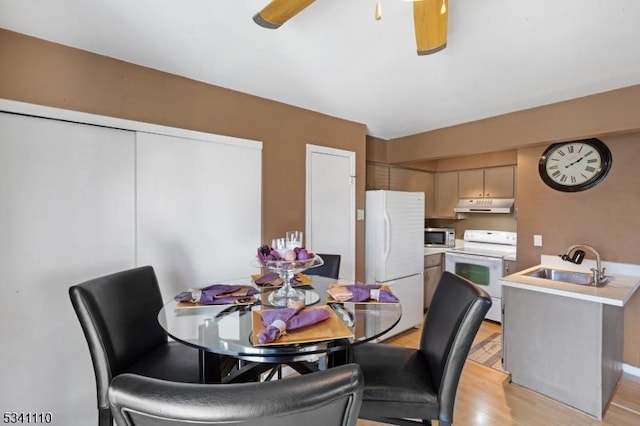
column 577, row 161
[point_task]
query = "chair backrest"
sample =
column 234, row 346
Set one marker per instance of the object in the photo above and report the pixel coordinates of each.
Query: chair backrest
column 456, row 311
column 328, row 397
column 118, row 317
column 330, row 268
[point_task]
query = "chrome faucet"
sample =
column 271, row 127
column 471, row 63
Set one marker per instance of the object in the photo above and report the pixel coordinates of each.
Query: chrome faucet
column 599, row 278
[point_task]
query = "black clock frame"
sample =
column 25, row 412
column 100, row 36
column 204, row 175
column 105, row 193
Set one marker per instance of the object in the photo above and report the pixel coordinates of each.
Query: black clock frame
column 598, row 145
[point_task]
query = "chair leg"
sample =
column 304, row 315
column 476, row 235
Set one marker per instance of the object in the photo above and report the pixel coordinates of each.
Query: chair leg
column 104, row 417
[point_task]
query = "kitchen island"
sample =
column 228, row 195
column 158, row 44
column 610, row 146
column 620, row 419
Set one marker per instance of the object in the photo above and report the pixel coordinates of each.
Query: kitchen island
column 565, row 340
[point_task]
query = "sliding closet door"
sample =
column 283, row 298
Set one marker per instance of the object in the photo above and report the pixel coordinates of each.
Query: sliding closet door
column 67, row 215
column 199, row 208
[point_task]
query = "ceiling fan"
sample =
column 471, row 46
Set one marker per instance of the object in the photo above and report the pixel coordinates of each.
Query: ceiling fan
column 430, row 19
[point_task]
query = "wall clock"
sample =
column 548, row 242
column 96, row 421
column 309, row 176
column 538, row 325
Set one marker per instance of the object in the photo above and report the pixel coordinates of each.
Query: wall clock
column 576, row 165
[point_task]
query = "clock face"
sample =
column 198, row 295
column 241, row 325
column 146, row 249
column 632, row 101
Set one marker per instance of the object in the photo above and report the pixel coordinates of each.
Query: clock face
column 575, row 166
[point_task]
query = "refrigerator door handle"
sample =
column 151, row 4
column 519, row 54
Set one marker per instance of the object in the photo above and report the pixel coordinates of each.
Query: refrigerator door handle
column 387, row 235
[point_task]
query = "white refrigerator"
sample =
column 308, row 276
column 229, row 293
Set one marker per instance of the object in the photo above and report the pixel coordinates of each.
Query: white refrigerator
column 394, row 250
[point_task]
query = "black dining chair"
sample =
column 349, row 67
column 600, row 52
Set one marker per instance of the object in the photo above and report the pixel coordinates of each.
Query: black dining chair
column 329, row 397
column 330, row 268
column 404, row 383
column 118, row 315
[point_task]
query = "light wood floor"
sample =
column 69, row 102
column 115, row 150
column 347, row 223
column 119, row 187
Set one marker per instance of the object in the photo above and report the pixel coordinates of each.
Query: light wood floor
column 485, row 397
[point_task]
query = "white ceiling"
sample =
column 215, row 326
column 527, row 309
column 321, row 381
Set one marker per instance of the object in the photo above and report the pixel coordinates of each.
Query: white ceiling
column 334, row 58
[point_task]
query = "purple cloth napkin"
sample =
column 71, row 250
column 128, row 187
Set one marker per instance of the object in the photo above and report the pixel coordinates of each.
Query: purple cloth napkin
column 218, row 294
column 267, row 278
column 362, row 292
column 277, row 321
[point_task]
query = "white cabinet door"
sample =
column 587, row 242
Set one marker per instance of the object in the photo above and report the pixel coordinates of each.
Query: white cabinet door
column 446, row 193
column 199, row 209
column 67, row 216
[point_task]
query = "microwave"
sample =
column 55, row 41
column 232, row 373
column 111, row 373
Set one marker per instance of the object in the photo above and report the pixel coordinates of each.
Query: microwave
column 439, row 237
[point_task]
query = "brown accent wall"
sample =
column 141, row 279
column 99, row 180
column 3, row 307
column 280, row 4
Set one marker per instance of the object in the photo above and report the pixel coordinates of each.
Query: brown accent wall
column 605, row 216
column 45, row 73
column 376, row 149
column 478, row 161
column 608, row 113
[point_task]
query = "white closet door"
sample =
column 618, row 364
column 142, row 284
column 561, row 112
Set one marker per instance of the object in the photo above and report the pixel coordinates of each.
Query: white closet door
column 67, row 215
column 199, row 209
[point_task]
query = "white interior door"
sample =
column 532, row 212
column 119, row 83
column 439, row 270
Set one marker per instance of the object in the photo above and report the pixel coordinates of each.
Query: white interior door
column 330, row 205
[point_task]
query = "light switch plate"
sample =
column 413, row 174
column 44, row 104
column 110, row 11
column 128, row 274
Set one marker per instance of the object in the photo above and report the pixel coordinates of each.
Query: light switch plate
column 359, row 214
column 537, row 240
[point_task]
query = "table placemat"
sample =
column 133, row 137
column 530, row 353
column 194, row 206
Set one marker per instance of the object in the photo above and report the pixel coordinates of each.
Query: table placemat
column 246, row 300
column 189, row 305
column 370, row 301
column 329, row 329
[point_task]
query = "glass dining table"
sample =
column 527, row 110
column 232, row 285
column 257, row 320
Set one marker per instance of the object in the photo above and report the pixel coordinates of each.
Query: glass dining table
column 217, row 330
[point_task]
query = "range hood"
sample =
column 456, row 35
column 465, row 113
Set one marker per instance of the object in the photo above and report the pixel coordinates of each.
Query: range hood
column 484, row 205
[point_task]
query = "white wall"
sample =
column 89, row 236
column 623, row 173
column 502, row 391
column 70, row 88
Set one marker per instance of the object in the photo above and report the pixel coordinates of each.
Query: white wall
column 80, row 201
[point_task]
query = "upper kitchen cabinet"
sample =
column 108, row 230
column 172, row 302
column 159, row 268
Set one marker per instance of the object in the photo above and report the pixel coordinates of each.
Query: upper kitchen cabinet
column 446, row 194
column 493, row 182
column 377, row 176
column 381, row 176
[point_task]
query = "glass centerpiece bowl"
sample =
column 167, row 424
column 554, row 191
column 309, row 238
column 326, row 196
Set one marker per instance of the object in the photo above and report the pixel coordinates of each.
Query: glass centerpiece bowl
column 287, row 294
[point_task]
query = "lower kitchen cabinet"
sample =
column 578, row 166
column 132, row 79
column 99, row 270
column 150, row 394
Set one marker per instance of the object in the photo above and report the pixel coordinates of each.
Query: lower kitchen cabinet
column 432, row 272
column 566, row 348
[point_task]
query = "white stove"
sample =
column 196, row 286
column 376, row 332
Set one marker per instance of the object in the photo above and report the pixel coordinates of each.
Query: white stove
column 488, row 243
column 481, row 261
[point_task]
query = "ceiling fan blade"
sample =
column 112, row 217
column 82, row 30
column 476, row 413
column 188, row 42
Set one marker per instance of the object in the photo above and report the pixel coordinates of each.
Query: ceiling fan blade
column 278, row 12
column 430, row 25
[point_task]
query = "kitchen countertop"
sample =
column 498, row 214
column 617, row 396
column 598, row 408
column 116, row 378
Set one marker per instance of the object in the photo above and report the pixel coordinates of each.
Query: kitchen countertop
column 459, row 243
column 435, row 250
column 617, row 292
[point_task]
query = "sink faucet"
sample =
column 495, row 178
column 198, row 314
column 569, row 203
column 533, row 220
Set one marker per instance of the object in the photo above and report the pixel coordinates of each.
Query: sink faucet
column 598, row 272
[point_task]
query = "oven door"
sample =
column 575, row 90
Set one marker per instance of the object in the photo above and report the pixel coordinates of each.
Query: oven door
column 483, row 271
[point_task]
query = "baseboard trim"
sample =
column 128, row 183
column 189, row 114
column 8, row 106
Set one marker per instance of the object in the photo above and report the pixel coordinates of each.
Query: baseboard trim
column 630, row 369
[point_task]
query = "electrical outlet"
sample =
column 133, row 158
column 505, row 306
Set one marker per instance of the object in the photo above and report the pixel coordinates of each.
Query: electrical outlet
column 537, row 240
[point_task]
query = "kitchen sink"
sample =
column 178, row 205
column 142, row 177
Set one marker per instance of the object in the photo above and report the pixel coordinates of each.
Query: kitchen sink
column 582, row 278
